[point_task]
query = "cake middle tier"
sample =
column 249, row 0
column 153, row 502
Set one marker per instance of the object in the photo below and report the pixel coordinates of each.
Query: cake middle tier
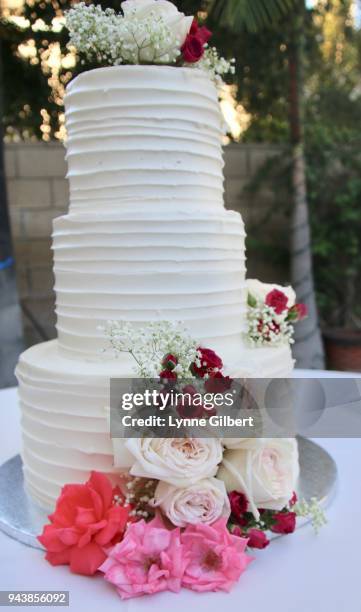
column 143, row 267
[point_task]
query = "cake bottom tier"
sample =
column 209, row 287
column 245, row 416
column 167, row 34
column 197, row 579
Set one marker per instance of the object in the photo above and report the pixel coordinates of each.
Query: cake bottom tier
column 64, row 412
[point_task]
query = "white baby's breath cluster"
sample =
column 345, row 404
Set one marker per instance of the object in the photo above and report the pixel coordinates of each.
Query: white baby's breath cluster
column 111, row 38
column 266, row 328
column 313, row 510
column 149, row 345
column 217, row 67
column 147, row 32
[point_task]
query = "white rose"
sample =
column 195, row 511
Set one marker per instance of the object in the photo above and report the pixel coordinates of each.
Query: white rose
column 260, row 290
column 203, row 502
column 264, row 469
column 233, row 443
column 178, row 461
column 178, row 23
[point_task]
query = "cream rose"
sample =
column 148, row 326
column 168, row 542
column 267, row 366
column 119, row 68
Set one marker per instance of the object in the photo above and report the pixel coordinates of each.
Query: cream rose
column 260, row 290
column 264, row 469
column 177, row 461
column 203, row 502
column 178, row 23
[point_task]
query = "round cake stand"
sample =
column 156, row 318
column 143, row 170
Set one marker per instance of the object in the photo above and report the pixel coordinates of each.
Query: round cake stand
column 22, row 519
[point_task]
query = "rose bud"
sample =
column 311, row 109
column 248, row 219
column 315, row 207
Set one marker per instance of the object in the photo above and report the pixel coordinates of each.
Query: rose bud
column 285, row 522
column 238, row 503
column 257, row 538
column 169, row 362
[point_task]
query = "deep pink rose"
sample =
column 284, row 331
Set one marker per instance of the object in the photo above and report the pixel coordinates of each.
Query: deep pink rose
column 215, row 558
column 277, row 300
column 84, row 522
column 293, row 499
column 217, row 383
column 209, row 363
column 239, row 504
column 148, row 560
column 257, row 538
column 285, row 522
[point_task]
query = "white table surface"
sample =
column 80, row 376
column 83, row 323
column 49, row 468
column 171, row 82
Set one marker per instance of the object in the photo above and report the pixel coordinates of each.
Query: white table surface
column 297, row 573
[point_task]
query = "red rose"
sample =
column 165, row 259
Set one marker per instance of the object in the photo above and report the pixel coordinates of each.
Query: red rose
column 193, row 46
column 84, row 522
column 169, row 361
column 168, row 375
column 257, row 538
column 209, row 362
column 277, row 300
column 285, row 522
column 217, row 383
column 297, row 312
column 239, row 504
column 192, row 49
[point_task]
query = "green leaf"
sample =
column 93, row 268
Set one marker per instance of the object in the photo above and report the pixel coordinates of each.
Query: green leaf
column 251, row 301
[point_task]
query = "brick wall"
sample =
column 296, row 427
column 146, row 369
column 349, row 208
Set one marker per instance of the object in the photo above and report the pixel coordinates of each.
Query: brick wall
column 38, row 192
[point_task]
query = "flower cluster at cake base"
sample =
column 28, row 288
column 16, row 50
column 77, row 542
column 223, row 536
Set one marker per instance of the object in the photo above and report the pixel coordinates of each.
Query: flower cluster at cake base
column 175, row 520
column 146, row 32
column 271, row 314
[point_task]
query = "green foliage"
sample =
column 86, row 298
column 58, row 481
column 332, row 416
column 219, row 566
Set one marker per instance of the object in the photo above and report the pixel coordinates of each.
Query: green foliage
column 252, row 16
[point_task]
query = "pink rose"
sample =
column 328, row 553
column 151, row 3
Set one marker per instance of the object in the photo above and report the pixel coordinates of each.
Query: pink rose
column 84, row 522
column 215, row 558
column 148, row 560
column 239, row 504
column 285, row 522
column 257, row 538
column 277, row 300
column 208, row 362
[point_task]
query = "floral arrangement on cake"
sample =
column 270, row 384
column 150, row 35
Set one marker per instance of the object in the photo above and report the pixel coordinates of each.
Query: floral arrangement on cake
column 182, row 512
column 272, row 313
column 146, row 32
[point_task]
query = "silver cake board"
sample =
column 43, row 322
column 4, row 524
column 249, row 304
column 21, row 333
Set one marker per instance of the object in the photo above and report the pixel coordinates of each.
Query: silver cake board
column 22, row 519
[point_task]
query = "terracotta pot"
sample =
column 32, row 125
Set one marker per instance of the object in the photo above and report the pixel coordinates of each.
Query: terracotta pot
column 343, row 349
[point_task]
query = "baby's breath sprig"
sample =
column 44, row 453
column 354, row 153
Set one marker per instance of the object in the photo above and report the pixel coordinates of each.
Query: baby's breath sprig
column 148, row 346
column 313, row 510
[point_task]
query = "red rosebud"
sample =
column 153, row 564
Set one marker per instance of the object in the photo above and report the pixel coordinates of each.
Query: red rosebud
column 277, row 300
column 209, row 363
column 85, row 522
column 169, row 362
column 239, row 504
column 298, row 312
column 285, row 522
column 293, row 499
column 257, row 538
column 168, row 375
column 217, row 383
column 201, row 32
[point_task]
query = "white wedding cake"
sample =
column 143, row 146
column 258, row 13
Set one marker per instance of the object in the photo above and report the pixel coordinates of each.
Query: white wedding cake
column 147, row 238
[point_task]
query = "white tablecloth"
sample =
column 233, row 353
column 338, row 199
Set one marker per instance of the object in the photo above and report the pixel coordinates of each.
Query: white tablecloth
column 297, row 573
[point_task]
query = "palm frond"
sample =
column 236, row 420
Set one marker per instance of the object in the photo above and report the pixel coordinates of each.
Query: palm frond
column 250, row 14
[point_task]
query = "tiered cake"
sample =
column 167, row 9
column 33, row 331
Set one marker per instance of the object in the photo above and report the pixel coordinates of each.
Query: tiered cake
column 147, row 238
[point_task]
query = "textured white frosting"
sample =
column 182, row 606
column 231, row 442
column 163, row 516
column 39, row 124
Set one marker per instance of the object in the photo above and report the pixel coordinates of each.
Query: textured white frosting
column 146, row 136
column 64, row 417
column 147, row 238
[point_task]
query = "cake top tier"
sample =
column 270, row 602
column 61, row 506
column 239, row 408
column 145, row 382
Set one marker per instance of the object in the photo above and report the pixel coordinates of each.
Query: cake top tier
column 144, row 135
